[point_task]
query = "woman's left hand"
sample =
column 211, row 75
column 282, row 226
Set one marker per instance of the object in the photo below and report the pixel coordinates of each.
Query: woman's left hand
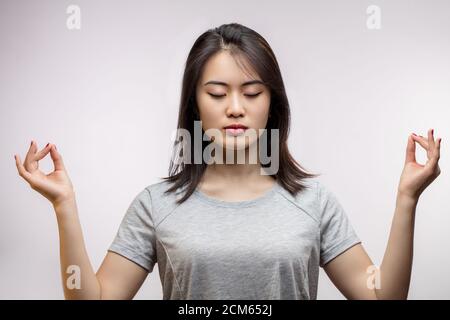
column 416, row 177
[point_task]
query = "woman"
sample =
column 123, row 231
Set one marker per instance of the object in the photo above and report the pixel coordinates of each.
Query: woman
column 231, row 230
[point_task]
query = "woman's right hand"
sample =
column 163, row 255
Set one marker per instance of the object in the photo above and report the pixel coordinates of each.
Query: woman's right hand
column 55, row 186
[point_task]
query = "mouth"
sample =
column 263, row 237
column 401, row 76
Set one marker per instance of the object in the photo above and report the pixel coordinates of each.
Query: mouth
column 235, row 129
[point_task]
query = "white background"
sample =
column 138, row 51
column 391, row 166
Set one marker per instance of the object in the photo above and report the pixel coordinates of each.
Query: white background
column 107, row 95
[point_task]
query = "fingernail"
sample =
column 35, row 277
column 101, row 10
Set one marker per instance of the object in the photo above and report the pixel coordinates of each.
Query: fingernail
column 414, row 134
column 31, row 143
column 432, row 131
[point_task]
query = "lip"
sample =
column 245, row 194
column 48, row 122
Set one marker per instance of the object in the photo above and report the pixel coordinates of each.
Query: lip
column 236, row 126
column 234, row 132
column 235, row 129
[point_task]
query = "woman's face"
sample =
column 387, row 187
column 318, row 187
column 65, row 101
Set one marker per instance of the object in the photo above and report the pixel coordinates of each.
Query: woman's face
column 236, row 103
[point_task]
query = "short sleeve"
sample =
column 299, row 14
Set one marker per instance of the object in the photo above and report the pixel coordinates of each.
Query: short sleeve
column 336, row 232
column 136, row 238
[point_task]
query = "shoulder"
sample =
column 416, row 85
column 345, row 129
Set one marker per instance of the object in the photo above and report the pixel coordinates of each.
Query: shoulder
column 159, row 202
column 311, row 199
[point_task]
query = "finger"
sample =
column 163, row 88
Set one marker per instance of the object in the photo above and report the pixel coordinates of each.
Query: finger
column 21, row 169
column 438, row 148
column 438, row 144
column 435, row 145
column 431, row 142
column 29, row 158
column 57, row 159
column 410, row 150
column 41, row 154
column 432, row 164
column 422, row 141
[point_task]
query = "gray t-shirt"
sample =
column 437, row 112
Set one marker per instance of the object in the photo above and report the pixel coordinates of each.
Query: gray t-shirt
column 270, row 247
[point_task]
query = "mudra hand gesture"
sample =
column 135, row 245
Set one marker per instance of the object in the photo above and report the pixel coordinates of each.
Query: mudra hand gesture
column 416, row 177
column 55, row 186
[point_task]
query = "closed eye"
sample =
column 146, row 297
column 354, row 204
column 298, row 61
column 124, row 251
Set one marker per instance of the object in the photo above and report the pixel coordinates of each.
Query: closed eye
column 253, row 95
column 216, row 96
column 247, row 95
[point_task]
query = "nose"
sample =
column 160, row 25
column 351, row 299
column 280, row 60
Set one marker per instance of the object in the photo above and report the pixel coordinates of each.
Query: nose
column 235, row 108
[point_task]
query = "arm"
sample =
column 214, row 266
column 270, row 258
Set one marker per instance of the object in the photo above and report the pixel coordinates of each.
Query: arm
column 117, row 277
column 350, row 270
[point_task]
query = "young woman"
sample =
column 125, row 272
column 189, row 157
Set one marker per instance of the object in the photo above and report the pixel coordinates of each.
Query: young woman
column 231, row 230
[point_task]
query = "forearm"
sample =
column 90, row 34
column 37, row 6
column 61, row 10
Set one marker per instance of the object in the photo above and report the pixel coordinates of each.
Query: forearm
column 395, row 270
column 73, row 253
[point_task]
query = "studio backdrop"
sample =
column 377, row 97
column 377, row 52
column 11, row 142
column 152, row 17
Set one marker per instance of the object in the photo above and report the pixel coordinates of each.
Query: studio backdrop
column 101, row 80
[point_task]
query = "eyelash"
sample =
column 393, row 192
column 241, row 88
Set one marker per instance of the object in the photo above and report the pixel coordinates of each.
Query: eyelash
column 247, row 95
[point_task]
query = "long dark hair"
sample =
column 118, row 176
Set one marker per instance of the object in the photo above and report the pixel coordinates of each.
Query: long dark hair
column 241, row 42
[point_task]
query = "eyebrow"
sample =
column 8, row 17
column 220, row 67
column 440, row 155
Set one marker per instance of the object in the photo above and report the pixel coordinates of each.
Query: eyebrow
column 225, row 84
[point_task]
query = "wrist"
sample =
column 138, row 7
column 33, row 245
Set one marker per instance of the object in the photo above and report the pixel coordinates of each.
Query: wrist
column 66, row 205
column 406, row 200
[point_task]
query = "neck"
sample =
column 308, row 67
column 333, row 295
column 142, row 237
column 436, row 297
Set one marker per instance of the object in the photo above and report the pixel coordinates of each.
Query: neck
column 235, row 173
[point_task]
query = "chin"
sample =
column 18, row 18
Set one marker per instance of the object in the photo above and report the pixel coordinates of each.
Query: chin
column 236, row 143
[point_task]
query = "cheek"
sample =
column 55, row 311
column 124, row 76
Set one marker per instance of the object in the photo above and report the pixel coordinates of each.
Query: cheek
column 261, row 113
column 209, row 114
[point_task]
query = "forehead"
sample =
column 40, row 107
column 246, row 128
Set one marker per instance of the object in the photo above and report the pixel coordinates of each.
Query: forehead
column 223, row 67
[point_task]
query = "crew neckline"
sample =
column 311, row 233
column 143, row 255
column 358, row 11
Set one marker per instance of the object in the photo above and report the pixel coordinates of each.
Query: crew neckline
column 234, row 204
